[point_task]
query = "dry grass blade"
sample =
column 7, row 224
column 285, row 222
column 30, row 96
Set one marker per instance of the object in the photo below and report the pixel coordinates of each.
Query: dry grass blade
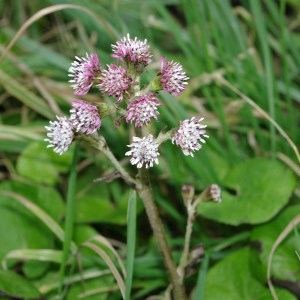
column 32, row 254
column 46, row 287
column 51, row 9
column 40, row 214
column 14, row 133
column 278, row 241
column 98, row 291
column 105, row 241
column 23, row 94
column 221, row 80
column 109, row 263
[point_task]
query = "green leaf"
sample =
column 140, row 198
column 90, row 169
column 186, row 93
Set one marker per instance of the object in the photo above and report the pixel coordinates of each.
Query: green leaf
column 40, row 164
column 131, row 243
column 285, row 263
column 259, row 188
column 93, row 289
column 102, row 202
column 83, row 232
column 19, row 228
column 12, row 284
column 22, row 93
column 231, row 279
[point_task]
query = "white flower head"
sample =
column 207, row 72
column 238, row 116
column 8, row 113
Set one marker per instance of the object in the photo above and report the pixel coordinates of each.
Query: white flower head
column 143, row 151
column 60, row 135
column 190, row 135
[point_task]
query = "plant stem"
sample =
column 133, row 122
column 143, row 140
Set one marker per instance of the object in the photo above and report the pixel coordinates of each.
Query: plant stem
column 99, row 143
column 187, row 239
column 105, row 150
column 157, row 227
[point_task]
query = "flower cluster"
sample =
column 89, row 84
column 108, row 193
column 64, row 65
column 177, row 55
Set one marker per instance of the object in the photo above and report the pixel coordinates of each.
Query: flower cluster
column 173, row 78
column 190, row 135
column 84, row 118
column 142, row 109
column 84, row 72
column 115, row 82
column 134, row 51
column 60, row 135
column 143, row 151
column 139, row 106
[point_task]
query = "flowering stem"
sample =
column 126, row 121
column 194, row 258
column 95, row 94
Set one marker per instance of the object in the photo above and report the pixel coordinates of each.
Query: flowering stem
column 188, row 232
column 99, row 143
column 106, row 151
column 157, row 227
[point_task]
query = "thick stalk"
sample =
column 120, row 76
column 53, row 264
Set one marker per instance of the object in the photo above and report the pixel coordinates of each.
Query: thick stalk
column 157, row 227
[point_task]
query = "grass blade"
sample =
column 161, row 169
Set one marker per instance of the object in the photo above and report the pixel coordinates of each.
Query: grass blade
column 33, row 254
column 109, row 263
column 199, row 289
column 40, row 214
column 69, row 222
column 131, row 238
column 262, row 35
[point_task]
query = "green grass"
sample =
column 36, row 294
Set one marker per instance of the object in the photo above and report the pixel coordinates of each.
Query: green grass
column 254, row 46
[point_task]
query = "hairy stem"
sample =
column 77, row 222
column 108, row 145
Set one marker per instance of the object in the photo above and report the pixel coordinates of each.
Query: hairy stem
column 187, row 239
column 105, row 150
column 157, row 227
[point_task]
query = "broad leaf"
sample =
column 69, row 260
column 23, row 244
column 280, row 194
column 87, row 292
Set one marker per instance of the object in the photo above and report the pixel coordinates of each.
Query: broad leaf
column 41, row 164
column 285, row 263
column 258, row 188
column 12, row 284
column 19, row 228
column 231, row 279
column 102, row 202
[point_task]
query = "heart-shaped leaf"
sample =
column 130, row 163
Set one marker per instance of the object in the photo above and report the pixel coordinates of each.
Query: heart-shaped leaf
column 285, row 263
column 256, row 190
column 231, row 279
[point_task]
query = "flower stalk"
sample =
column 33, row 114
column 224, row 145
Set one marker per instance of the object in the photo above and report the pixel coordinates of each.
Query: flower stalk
column 211, row 193
column 159, row 233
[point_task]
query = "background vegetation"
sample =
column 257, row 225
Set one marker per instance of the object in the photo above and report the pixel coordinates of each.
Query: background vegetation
column 234, row 52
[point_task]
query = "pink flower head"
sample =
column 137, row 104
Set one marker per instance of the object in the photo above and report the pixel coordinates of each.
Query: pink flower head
column 85, row 117
column 84, row 71
column 142, row 109
column 115, row 81
column 189, row 135
column 143, row 151
column 60, row 135
column 173, row 78
column 135, row 51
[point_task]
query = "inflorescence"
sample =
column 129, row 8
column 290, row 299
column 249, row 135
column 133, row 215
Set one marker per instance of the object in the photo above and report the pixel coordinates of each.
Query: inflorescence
column 121, row 80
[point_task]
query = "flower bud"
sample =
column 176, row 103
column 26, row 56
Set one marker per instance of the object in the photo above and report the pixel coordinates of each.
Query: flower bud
column 187, row 192
column 212, row 193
